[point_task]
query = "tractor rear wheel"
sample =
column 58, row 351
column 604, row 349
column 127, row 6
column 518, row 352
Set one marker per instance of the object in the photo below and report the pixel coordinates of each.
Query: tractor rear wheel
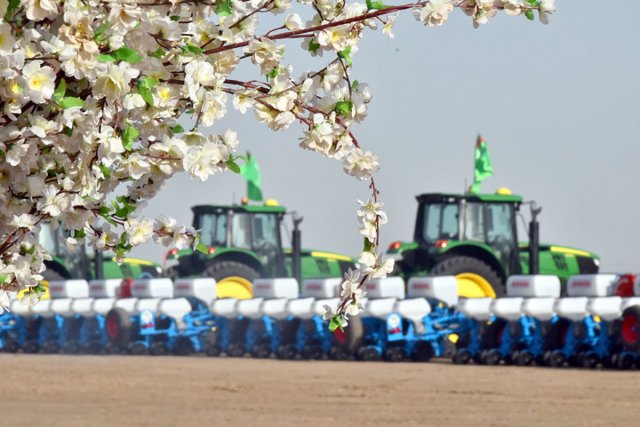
column 476, row 279
column 234, row 279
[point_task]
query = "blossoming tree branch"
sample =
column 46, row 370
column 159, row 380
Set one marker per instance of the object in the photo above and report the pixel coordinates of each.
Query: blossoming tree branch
column 92, row 93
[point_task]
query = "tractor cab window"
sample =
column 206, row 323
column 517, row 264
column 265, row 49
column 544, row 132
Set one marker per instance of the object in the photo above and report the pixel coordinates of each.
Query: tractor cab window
column 500, row 233
column 48, row 239
column 500, row 223
column 74, row 258
column 213, row 229
column 265, row 230
column 474, row 222
column 440, row 222
column 241, row 231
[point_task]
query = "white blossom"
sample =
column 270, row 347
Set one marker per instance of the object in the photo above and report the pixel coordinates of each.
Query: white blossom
column 39, row 82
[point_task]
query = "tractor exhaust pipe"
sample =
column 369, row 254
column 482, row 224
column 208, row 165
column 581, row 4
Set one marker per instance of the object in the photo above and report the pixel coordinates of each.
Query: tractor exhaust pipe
column 99, row 265
column 296, row 243
column 534, row 240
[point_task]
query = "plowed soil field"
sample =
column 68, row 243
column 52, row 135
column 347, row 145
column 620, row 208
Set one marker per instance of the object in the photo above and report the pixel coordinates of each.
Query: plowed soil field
column 83, row 391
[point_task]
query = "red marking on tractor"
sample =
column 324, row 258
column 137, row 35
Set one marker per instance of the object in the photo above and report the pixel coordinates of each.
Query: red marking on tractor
column 183, row 287
column 263, row 286
column 314, row 286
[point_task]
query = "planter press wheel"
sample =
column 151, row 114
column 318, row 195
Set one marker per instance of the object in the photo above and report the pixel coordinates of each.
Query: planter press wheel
column 629, row 329
column 118, row 327
column 349, row 340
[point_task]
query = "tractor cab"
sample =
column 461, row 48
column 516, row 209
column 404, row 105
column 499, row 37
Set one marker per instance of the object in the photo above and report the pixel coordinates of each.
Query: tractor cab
column 485, row 222
column 247, row 228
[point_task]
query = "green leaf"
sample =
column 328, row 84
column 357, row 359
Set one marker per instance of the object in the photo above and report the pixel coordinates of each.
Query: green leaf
column 70, row 102
column 3, row 278
column 233, row 166
column 368, row 246
column 175, row 18
column 100, row 34
column 67, row 131
column 129, row 135
column 344, row 108
column 39, row 289
column 223, row 8
column 375, row 5
column 273, row 73
column 202, row 248
column 79, row 234
column 144, row 88
column 105, row 58
column 346, row 55
column 105, row 171
column 529, row 15
column 104, row 211
column 355, row 85
column 177, row 129
column 60, row 91
column 158, row 53
column 191, row 49
column 314, row 46
column 335, row 323
column 13, row 5
column 127, row 54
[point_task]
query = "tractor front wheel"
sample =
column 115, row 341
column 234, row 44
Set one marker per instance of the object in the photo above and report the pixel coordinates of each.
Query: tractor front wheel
column 234, row 279
column 476, row 279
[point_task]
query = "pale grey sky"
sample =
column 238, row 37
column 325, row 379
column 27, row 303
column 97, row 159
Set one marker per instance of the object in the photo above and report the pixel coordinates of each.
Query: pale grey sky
column 558, row 106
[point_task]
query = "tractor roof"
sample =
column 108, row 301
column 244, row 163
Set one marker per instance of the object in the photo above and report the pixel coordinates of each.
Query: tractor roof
column 238, row 208
column 471, row 197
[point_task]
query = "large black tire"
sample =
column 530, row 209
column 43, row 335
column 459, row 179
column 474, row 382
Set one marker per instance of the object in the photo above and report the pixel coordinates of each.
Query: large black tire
column 222, row 269
column 627, row 330
column 350, row 339
column 118, row 326
column 50, row 274
column 455, row 265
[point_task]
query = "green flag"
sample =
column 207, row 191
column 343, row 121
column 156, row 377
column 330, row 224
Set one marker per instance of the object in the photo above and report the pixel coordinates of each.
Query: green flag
column 251, row 173
column 483, row 169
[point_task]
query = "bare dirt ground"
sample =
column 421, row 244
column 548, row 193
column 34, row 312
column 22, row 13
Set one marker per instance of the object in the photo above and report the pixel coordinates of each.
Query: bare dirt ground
column 197, row 391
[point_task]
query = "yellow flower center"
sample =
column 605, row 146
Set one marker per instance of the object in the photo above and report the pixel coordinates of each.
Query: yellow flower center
column 36, row 82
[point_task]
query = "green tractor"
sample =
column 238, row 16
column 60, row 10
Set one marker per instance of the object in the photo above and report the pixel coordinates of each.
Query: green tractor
column 243, row 242
column 474, row 237
column 81, row 262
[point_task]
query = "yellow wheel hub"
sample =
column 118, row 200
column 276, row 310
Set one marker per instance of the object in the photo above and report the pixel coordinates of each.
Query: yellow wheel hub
column 234, row 287
column 471, row 285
